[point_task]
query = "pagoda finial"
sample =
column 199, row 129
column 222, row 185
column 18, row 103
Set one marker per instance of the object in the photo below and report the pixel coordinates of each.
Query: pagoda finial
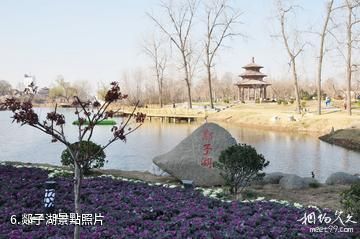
column 253, row 59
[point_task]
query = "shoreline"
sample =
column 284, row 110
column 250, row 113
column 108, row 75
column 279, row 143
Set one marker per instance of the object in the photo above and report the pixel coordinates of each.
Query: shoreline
column 279, row 129
column 283, row 118
column 346, row 138
column 261, row 116
column 136, row 175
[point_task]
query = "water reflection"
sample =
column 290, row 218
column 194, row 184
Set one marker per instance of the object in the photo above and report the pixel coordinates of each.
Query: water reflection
column 287, row 152
column 298, row 153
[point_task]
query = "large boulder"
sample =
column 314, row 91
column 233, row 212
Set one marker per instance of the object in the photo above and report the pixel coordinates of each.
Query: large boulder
column 293, row 182
column 273, row 178
column 311, row 181
column 341, row 178
column 193, row 158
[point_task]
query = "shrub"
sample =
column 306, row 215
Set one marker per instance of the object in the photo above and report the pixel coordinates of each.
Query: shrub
column 240, row 164
column 314, row 185
column 226, row 101
column 291, row 101
column 250, row 194
column 87, row 148
column 350, row 200
column 303, row 104
column 279, row 101
column 257, row 100
column 305, row 95
column 285, row 102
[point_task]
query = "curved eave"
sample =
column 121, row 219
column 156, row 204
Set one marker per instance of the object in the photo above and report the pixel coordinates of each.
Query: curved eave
column 252, row 75
column 252, row 82
column 252, row 65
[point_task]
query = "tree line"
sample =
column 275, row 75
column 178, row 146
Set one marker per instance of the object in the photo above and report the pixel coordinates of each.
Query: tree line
column 176, row 46
column 219, row 20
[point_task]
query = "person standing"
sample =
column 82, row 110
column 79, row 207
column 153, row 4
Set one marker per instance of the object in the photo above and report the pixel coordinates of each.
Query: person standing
column 327, row 101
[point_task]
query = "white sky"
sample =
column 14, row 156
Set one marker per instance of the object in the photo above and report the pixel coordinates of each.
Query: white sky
column 97, row 40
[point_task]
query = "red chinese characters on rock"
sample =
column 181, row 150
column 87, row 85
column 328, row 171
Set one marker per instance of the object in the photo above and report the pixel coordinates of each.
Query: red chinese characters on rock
column 206, row 160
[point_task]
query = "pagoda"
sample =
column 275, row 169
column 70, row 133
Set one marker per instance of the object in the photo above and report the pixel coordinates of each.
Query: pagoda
column 252, row 86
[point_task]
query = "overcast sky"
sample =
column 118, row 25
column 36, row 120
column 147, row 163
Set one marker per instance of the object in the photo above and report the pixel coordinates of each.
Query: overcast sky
column 97, row 40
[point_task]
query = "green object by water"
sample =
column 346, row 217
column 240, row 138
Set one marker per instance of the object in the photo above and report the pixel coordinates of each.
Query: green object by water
column 104, row 122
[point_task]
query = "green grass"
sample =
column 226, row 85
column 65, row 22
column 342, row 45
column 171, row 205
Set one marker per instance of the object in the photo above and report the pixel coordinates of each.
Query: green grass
column 103, row 122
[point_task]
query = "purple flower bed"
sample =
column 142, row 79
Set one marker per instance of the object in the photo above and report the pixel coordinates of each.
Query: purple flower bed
column 137, row 210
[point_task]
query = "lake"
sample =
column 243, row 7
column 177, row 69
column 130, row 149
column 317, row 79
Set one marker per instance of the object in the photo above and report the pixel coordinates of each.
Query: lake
column 287, row 152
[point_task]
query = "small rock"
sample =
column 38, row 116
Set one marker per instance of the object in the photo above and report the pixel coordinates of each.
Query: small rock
column 291, row 118
column 341, row 178
column 275, row 118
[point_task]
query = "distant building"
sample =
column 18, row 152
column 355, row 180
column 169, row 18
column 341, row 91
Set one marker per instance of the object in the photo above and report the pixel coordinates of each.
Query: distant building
column 252, row 86
column 43, row 92
column 42, row 96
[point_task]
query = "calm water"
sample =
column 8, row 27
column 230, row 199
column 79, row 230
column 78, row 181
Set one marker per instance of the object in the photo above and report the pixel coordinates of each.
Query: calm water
column 287, row 152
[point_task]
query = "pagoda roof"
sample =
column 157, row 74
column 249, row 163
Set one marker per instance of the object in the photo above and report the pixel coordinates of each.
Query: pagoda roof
column 252, row 82
column 252, row 65
column 250, row 73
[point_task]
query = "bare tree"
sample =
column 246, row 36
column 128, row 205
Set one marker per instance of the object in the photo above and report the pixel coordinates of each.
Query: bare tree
column 282, row 88
column 331, row 88
column 220, row 18
column 90, row 112
column 356, row 84
column 329, row 9
column 159, row 60
column 82, row 89
column 293, row 51
column 180, row 19
column 351, row 7
column 68, row 91
column 132, row 82
column 101, row 90
column 5, row 87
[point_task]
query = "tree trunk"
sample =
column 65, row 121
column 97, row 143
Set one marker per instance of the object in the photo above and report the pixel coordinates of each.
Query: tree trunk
column 296, row 86
column 210, row 87
column 160, row 101
column 160, row 96
column 321, row 54
column 292, row 56
column 187, row 78
column 189, row 93
column 319, row 85
column 348, row 62
column 77, row 186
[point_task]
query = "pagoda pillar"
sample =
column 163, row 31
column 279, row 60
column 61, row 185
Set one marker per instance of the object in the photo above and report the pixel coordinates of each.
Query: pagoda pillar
column 239, row 92
column 265, row 92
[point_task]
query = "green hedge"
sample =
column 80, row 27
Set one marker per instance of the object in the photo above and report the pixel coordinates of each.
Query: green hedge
column 104, row 122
